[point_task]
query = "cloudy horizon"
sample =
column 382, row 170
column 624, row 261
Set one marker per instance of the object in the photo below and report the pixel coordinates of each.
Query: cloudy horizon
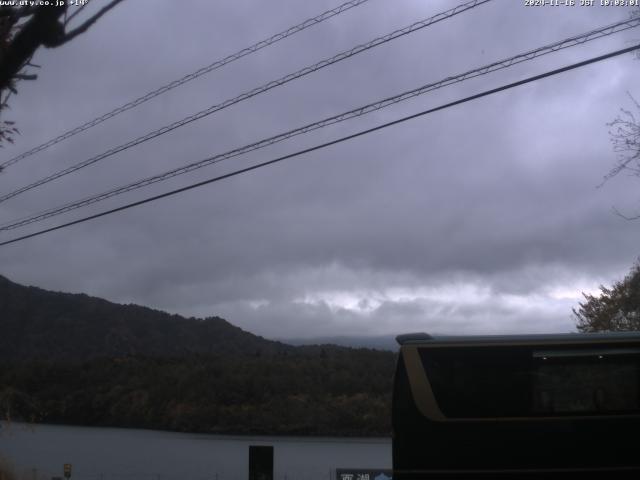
column 489, row 217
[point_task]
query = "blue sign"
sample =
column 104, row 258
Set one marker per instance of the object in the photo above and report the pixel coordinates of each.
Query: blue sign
column 363, row 474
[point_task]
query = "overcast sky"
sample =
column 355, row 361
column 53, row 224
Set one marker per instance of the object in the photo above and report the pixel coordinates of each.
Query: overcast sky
column 483, row 218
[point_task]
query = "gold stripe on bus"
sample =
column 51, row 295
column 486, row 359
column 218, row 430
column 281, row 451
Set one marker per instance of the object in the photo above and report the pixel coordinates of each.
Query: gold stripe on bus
column 421, row 389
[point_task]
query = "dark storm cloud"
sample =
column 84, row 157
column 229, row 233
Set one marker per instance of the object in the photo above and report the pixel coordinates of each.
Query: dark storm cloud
column 480, row 218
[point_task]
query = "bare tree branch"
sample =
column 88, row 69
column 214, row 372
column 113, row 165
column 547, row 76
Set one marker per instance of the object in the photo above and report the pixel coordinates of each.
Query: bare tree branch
column 625, row 138
column 26, row 76
column 16, row 14
column 23, row 30
column 626, row 217
column 85, row 26
column 25, row 11
column 78, row 10
column 43, row 28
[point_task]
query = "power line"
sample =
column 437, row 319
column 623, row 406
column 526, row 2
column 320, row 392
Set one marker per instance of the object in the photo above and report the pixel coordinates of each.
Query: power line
column 187, row 78
column 332, row 142
column 252, row 93
column 492, row 67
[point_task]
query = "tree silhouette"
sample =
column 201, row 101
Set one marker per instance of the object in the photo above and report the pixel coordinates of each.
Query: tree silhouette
column 615, row 309
column 24, row 29
column 625, row 137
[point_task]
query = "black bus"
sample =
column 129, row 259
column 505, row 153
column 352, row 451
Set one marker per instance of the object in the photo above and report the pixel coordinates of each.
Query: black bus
column 529, row 406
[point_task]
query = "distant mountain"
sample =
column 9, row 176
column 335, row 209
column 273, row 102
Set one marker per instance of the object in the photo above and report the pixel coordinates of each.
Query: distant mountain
column 74, row 359
column 40, row 324
column 383, row 342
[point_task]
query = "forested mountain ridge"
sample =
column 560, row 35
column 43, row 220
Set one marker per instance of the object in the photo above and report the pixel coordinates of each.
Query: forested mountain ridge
column 41, row 324
column 75, row 359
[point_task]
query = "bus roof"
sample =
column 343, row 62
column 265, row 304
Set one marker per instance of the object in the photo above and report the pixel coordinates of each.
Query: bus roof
column 425, row 338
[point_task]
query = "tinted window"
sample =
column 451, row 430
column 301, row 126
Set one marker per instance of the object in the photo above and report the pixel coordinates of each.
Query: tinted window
column 587, row 383
column 486, row 382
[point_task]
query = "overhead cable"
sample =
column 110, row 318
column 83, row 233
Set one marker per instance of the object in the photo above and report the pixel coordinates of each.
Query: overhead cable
column 327, row 144
column 357, row 112
column 252, row 93
column 187, row 78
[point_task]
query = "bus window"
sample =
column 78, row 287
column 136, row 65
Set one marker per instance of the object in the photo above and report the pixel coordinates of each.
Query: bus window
column 538, row 406
column 586, row 382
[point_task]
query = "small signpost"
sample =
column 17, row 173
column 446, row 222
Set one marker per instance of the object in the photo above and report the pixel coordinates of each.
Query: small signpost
column 363, row 474
column 67, row 470
column 260, row 462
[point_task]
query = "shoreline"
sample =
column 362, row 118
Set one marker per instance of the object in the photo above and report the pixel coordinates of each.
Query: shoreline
column 6, row 426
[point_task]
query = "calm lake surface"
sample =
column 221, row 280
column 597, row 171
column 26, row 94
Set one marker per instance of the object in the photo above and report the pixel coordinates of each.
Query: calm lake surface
column 38, row 452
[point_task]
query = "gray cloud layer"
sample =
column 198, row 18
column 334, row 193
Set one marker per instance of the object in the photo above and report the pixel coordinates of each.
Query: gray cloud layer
column 480, row 218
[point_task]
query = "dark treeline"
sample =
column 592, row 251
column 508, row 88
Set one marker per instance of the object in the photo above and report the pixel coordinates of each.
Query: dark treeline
column 333, row 392
column 76, row 359
column 40, row 324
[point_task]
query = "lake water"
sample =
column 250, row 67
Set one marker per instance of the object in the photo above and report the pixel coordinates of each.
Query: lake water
column 38, row 452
